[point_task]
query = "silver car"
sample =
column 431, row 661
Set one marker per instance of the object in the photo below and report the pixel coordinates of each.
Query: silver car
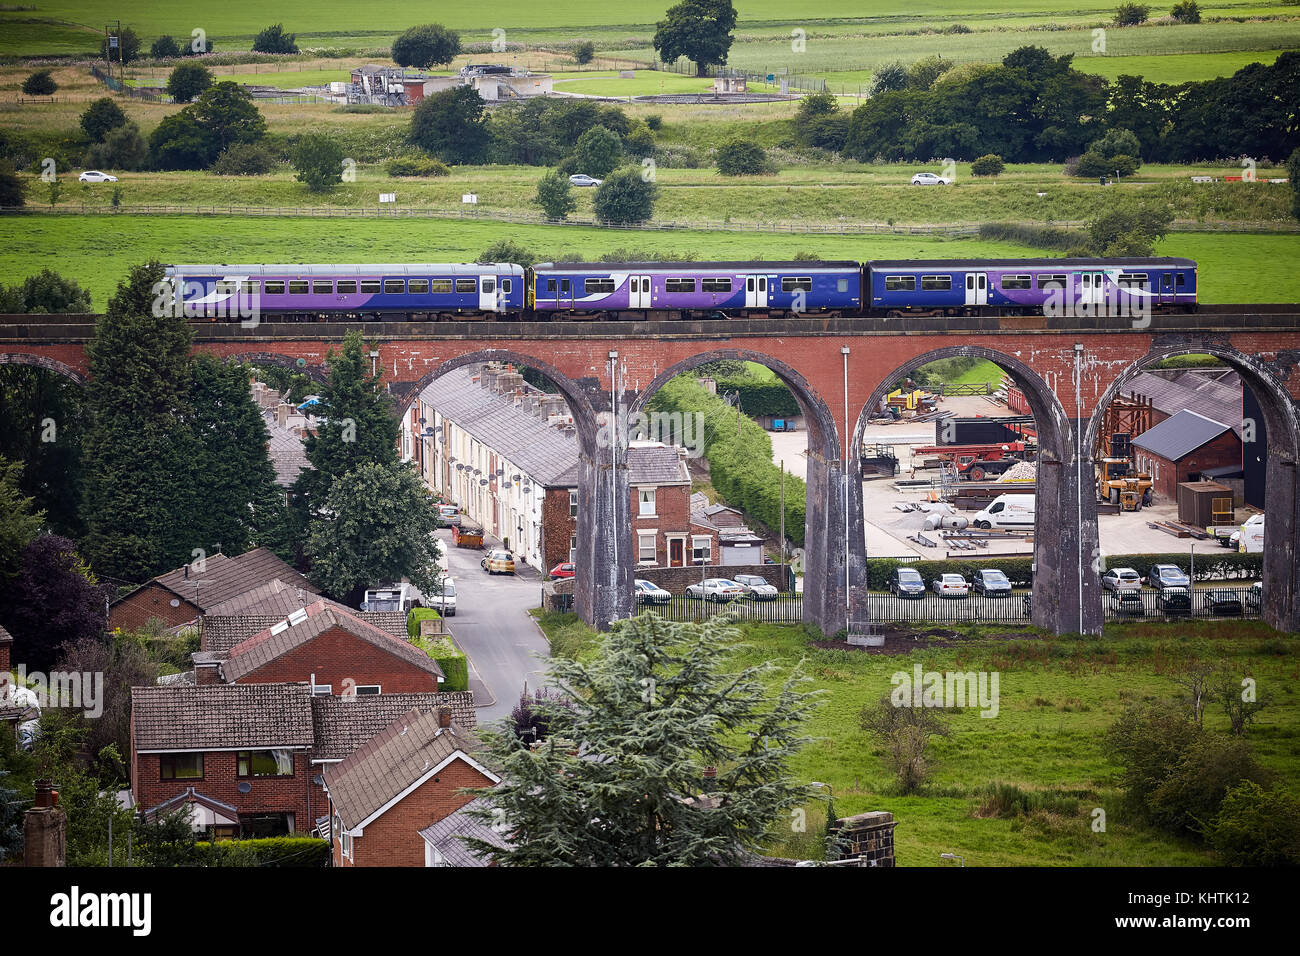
column 756, row 587
column 647, row 592
column 1121, row 579
column 582, row 179
column 716, row 589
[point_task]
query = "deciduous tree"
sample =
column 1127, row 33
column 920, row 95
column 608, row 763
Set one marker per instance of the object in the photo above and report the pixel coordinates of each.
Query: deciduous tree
column 424, row 46
column 625, row 196
column 450, row 125
column 699, row 30
column 188, row 80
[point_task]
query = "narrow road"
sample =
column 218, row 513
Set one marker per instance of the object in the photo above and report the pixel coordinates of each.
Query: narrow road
column 505, row 649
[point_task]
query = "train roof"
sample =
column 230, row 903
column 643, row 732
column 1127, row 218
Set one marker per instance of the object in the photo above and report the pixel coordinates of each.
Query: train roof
column 808, row 265
column 1158, row 261
column 361, row 269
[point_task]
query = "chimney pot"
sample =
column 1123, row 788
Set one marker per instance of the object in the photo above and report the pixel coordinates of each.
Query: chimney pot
column 444, row 716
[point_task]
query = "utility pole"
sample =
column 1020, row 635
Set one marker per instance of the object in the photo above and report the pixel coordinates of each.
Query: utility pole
column 784, row 573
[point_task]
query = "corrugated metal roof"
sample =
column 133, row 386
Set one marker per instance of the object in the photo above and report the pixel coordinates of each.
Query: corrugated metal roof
column 1180, row 435
column 1215, row 397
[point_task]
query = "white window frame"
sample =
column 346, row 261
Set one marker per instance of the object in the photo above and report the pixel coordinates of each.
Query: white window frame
column 695, row 547
column 646, row 496
column 653, row 536
column 573, row 504
column 368, row 690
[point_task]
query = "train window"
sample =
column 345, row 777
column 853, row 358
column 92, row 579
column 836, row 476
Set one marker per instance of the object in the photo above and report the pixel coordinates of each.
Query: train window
column 679, row 285
column 252, row 286
column 466, row 285
column 417, row 286
column 1055, row 281
column 440, row 286
column 394, row 286
column 599, row 285
column 1180, row 279
column 345, row 286
column 322, row 287
column 564, row 286
column 274, row 287
column 841, row 285
column 370, row 286
column 550, row 285
column 1132, row 280
column 507, row 286
column 298, row 286
column 227, row 286
column 900, row 283
column 1015, row 282
column 936, row 283
column 796, row 283
column 715, row 285
column 1169, row 279
column 489, row 284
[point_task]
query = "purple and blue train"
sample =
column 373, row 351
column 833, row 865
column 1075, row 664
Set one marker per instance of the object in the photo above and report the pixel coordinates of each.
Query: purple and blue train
column 686, row 290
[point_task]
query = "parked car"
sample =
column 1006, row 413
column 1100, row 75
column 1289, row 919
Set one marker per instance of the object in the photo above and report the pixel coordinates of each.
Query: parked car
column 1127, row 601
column 1174, row 600
column 647, row 592
column 991, row 583
column 930, row 179
column 1255, row 596
column 498, row 562
column 1121, row 579
column 716, row 589
column 1222, row 602
column 95, row 176
column 565, row 570
column 907, row 583
column 446, row 601
column 1163, row 576
column 756, row 587
column 951, row 585
column 399, row 596
column 449, row 514
column 582, row 179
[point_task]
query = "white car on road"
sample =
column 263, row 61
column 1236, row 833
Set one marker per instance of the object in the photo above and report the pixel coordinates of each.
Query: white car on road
column 930, row 179
column 95, row 176
column 582, row 179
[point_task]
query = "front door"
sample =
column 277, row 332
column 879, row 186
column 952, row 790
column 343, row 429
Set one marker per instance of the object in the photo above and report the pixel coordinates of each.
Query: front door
column 676, row 553
column 977, row 288
column 639, row 292
column 756, row 292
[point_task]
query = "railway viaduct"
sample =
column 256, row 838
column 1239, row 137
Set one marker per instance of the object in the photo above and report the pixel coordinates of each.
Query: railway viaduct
column 839, row 370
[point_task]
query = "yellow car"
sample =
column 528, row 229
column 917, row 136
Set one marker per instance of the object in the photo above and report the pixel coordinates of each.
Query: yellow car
column 498, row 562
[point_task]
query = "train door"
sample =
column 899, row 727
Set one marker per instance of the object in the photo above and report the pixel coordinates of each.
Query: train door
column 756, row 292
column 977, row 288
column 487, row 294
column 1167, row 287
column 1092, row 289
column 639, row 292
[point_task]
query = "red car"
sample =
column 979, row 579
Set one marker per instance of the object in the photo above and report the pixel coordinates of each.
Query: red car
column 562, row 571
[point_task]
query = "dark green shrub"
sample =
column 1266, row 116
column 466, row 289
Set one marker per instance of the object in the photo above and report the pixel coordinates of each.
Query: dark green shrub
column 40, row 83
column 584, row 52
column 625, row 197
column 416, row 166
column 1257, row 827
column 1131, row 14
column 742, row 157
column 274, row 40
column 1187, row 11
column 245, row 159
column 990, row 164
column 286, row 851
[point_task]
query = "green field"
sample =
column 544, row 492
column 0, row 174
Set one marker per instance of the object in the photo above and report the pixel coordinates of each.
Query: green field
column 645, row 83
column 1174, row 67
column 97, row 250
column 1056, row 698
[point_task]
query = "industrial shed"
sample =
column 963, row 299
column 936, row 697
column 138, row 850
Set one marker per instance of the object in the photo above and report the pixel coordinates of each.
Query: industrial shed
column 1182, row 447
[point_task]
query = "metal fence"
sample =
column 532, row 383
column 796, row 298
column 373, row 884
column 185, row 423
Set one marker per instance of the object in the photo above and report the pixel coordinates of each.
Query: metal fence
column 779, row 78
column 889, row 608
column 785, row 608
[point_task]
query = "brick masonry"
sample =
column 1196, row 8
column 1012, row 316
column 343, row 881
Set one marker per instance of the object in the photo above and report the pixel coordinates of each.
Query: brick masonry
column 1066, row 389
column 151, row 601
column 336, row 657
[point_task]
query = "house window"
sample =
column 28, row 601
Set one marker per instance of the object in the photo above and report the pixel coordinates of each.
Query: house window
column 646, row 497
column 573, row 549
column 645, row 551
column 368, row 690
column 264, row 763
column 181, row 766
column 701, row 549
column 322, row 690
column 260, row 825
column 573, row 504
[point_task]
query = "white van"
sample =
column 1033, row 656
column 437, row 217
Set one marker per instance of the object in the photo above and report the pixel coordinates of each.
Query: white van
column 1007, row 511
column 1250, row 537
column 392, row 597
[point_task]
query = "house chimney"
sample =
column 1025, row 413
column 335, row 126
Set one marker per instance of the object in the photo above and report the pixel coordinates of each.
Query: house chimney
column 45, row 829
column 444, row 716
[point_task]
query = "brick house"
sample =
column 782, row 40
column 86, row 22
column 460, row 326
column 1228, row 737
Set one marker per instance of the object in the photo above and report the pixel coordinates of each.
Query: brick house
column 507, row 454
column 397, row 784
column 12, row 710
column 247, row 758
column 1183, row 447
column 180, row 597
column 327, row 646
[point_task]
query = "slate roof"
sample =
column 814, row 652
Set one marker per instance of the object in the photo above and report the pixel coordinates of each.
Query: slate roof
column 1180, row 435
column 390, row 762
column 230, row 622
column 1215, row 396
column 268, row 645
column 647, row 465
column 286, row 450
column 345, row 723
column 213, row 716
column 443, row 835
column 5, row 636
column 223, row 577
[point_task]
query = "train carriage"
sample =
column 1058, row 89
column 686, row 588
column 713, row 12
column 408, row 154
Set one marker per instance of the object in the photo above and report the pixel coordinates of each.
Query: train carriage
column 350, row 292
column 1024, row 286
column 660, row 290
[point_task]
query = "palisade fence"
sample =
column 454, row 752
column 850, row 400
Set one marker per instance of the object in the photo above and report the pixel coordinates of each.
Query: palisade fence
column 791, row 81
column 884, row 608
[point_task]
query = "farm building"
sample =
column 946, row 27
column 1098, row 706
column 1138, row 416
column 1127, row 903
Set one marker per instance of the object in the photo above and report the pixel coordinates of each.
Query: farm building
column 1183, row 448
